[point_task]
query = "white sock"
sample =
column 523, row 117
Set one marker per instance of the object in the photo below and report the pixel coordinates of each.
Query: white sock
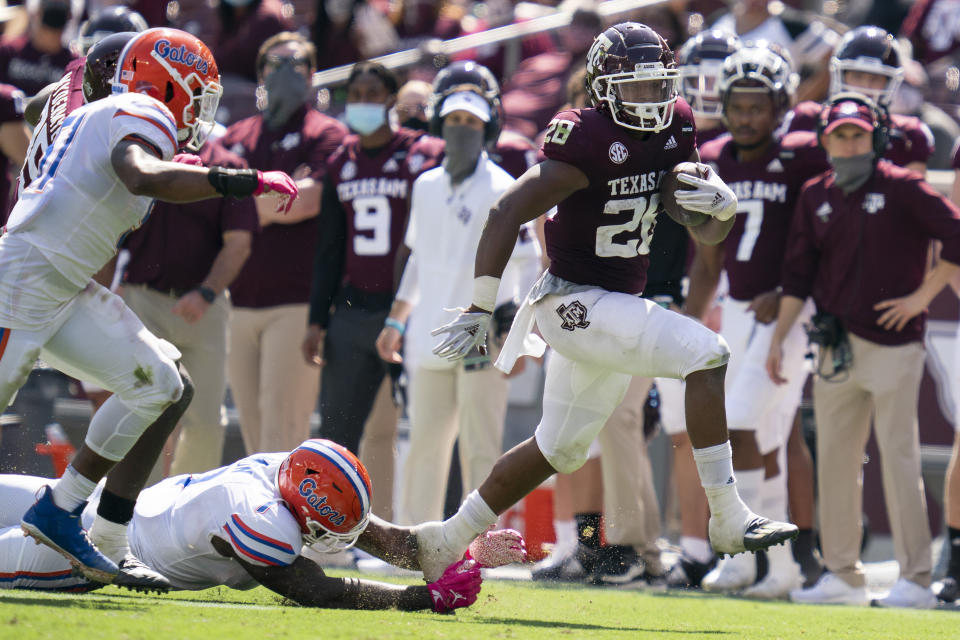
column 566, row 531
column 715, row 466
column 696, row 549
column 110, row 538
column 72, row 489
column 473, row 518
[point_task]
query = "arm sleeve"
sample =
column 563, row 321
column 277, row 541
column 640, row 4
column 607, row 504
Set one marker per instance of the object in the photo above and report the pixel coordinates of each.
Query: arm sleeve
column 331, row 252
column 265, row 537
column 409, row 289
column 802, row 255
column 148, row 121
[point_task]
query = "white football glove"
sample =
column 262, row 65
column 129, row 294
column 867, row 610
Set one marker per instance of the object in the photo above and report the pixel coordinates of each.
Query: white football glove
column 711, row 196
column 467, row 331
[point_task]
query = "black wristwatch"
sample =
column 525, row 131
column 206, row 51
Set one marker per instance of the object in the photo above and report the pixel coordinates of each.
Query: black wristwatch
column 207, row 293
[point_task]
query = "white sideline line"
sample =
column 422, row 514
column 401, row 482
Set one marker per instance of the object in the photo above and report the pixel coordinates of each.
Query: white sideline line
column 53, row 595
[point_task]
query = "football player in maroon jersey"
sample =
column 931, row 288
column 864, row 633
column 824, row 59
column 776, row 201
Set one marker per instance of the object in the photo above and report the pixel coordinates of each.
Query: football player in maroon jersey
column 858, row 246
column 586, row 305
column 868, row 60
column 700, row 61
column 756, row 86
column 366, row 200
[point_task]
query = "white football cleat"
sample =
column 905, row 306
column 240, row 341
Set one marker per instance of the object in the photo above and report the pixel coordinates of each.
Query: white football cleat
column 830, row 589
column 433, row 552
column 783, row 576
column 908, row 594
column 731, row 574
column 746, row 531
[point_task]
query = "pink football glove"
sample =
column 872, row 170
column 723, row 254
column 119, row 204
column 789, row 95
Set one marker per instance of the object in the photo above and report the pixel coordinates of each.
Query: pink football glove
column 188, row 158
column 279, row 183
column 457, row 587
column 497, row 548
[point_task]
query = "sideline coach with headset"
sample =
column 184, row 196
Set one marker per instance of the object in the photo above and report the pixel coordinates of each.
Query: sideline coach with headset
column 858, row 246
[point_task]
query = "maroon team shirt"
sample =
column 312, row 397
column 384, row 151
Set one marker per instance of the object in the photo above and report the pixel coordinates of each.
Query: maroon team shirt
column 11, row 110
column 28, row 69
column 374, row 191
column 931, row 27
column 280, row 265
column 706, row 135
column 601, row 234
column 177, row 244
column 910, row 139
column 766, row 190
column 850, row 252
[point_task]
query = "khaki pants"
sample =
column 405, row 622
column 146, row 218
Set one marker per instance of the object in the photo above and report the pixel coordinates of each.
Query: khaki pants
column 274, row 389
column 443, row 405
column 630, row 509
column 378, row 449
column 204, row 347
column 883, row 382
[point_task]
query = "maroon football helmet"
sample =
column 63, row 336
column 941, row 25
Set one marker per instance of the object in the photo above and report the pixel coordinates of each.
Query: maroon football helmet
column 870, row 50
column 631, row 75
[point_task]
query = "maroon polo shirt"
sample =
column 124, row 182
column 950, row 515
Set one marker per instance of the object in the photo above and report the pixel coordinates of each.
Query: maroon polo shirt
column 11, row 110
column 766, row 190
column 852, row 251
column 910, row 139
column 28, row 69
column 175, row 247
column 236, row 51
column 280, row 266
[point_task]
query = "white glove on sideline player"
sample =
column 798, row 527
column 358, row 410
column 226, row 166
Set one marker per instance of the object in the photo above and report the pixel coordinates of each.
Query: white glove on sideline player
column 711, row 196
column 467, row 331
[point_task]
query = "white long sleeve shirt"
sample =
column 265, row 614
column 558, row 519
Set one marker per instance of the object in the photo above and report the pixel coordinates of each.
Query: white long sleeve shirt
column 445, row 225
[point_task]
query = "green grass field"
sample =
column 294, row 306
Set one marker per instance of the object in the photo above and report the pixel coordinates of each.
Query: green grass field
column 515, row 610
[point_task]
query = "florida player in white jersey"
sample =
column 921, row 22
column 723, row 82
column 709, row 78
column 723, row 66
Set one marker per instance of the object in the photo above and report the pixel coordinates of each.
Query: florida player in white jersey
column 248, row 524
column 757, row 85
column 109, row 161
column 603, row 171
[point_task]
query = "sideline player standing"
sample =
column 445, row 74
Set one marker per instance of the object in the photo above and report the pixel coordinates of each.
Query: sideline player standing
column 97, row 180
column 586, row 304
column 757, row 86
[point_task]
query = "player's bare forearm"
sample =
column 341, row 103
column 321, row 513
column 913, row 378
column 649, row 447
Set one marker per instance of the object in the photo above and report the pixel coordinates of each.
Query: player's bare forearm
column 144, row 174
column 389, row 542
column 712, row 231
column 542, row 187
column 230, row 259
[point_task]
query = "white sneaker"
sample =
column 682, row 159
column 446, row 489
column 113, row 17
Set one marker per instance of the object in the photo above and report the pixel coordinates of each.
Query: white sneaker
column 908, row 594
column 783, row 576
column 433, row 553
column 830, row 589
column 746, row 531
column 731, row 574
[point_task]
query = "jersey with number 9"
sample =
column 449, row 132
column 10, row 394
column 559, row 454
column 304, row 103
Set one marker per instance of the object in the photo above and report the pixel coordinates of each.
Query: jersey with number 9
column 601, row 234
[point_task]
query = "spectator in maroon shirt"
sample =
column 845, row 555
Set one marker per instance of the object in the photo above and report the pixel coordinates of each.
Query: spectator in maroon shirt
column 14, row 140
column 271, row 383
column 38, row 57
column 244, row 26
column 182, row 260
column 858, row 245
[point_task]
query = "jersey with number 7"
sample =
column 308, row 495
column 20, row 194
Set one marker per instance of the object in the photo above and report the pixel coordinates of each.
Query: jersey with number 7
column 601, row 234
column 767, row 191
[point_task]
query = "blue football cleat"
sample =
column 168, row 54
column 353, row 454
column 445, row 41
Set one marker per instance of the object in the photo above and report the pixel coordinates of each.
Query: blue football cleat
column 61, row 531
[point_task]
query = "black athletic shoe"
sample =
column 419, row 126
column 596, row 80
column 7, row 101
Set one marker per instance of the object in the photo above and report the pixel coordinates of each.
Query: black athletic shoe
column 947, row 589
column 136, row 576
column 616, row 565
column 687, row 573
column 762, row 533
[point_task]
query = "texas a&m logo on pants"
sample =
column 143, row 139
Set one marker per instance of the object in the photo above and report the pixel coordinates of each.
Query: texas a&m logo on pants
column 573, row 315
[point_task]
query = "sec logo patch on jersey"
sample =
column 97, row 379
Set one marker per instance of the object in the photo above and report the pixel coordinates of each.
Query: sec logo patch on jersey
column 618, row 153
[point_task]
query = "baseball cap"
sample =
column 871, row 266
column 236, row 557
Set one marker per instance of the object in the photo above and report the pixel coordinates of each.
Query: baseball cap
column 849, row 112
column 466, row 101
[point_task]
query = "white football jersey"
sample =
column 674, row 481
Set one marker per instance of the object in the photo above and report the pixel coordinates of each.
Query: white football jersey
column 240, row 503
column 76, row 210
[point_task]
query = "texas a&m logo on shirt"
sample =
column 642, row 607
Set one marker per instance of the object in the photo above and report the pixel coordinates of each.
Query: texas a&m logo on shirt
column 873, row 202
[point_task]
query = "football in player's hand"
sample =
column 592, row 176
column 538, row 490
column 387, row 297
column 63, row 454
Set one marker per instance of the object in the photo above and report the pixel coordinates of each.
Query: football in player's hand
column 669, row 184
